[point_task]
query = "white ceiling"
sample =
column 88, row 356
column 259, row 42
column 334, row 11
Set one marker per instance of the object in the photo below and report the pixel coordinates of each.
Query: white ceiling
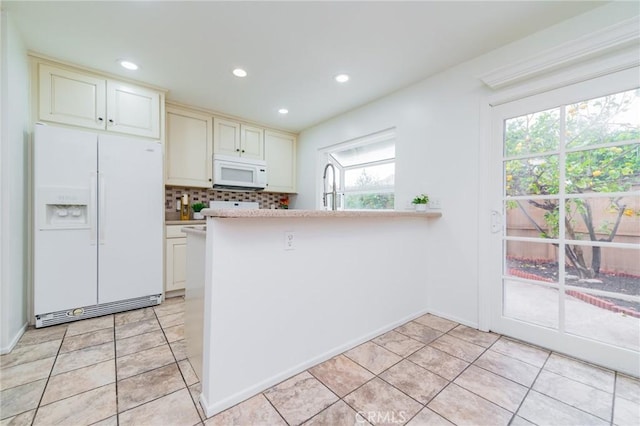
column 291, row 50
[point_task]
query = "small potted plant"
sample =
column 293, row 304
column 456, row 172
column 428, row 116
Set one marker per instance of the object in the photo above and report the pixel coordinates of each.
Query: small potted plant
column 197, row 207
column 421, row 201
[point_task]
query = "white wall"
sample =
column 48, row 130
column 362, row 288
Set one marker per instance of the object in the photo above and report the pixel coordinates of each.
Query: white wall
column 14, row 207
column 305, row 305
column 438, row 128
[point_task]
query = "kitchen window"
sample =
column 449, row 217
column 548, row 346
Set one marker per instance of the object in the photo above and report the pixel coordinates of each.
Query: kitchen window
column 365, row 172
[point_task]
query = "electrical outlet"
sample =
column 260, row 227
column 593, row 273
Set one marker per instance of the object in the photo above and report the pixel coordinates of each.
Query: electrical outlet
column 289, row 241
column 435, row 203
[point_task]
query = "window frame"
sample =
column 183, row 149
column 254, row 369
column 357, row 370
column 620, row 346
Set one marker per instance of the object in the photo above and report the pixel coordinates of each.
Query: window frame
column 326, row 154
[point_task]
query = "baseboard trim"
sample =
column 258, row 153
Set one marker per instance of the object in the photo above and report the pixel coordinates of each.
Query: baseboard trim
column 7, row 349
column 455, row 319
column 212, row 408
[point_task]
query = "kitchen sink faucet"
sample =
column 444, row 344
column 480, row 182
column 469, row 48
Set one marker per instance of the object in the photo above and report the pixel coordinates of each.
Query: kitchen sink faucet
column 334, row 194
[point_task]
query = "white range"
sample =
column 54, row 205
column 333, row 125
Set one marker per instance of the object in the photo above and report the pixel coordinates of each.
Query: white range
column 233, row 205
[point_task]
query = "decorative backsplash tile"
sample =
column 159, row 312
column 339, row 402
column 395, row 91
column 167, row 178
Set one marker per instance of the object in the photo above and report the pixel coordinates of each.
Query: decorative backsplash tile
column 204, row 195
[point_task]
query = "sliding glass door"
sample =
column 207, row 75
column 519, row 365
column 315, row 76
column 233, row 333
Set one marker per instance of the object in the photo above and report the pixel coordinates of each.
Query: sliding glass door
column 567, row 188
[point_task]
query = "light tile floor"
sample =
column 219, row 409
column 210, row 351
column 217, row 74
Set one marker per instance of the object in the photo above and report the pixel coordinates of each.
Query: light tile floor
column 131, row 369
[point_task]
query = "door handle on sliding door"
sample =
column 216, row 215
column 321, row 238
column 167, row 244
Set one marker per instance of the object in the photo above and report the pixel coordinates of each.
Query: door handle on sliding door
column 496, row 221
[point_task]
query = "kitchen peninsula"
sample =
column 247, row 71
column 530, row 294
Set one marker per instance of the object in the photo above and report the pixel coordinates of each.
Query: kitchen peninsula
column 273, row 292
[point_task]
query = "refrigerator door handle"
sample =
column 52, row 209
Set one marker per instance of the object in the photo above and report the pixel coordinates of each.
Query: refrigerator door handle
column 101, row 209
column 93, row 220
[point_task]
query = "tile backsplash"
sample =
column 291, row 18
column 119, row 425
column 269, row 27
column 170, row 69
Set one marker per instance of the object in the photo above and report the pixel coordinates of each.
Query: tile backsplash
column 172, row 195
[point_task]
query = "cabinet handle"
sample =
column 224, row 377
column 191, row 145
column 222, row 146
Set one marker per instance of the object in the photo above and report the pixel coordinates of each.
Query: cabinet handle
column 243, row 150
column 111, row 121
column 237, row 149
column 100, row 119
column 209, row 179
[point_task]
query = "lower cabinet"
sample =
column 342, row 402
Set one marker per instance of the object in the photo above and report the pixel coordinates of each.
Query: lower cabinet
column 175, row 272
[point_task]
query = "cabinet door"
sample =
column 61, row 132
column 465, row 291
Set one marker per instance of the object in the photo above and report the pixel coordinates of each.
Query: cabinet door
column 280, row 154
column 189, row 149
column 175, row 264
column 71, row 98
column 226, row 137
column 251, row 142
column 133, row 110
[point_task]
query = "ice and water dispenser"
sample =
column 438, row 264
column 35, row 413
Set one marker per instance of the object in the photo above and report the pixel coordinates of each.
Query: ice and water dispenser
column 64, row 208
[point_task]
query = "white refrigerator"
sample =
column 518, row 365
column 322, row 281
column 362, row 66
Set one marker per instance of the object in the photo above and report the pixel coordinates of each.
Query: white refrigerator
column 98, row 224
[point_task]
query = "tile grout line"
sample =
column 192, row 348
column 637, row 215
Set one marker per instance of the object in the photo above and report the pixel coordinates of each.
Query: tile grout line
column 403, row 358
column 458, row 375
column 515, row 412
column 115, row 369
column 179, row 369
column 177, row 363
column 613, row 397
column 530, row 388
column 528, row 392
column 75, row 369
column 174, row 362
column 365, row 368
column 472, row 363
column 576, row 381
column 324, row 409
column 44, row 389
column 149, row 401
column 274, row 407
column 569, row 405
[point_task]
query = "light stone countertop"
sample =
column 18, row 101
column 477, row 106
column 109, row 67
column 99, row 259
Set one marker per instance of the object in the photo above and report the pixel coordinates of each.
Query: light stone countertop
column 282, row 213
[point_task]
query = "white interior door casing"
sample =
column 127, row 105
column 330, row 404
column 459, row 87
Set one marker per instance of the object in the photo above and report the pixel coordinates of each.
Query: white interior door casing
column 130, row 196
column 554, row 333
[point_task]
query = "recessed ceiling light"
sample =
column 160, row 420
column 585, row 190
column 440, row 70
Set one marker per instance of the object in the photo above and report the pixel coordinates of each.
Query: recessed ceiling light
column 283, row 111
column 239, row 72
column 342, row 78
column 129, row 65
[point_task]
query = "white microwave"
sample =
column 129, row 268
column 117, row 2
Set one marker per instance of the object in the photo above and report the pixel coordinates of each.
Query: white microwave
column 239, row 173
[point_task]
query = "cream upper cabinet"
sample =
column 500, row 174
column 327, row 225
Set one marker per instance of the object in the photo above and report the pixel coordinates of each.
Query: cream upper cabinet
column 71, row 98
column 238, row 140
column 84, row 100
column 280, row 155
column 251, row 142
column 189, row 148
column 226, row 137
column 133, row 110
